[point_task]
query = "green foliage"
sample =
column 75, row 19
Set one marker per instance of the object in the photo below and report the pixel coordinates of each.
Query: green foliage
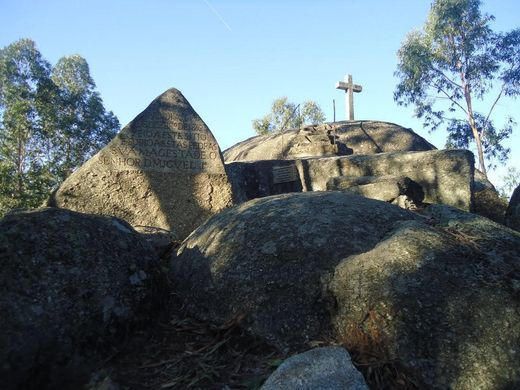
column 25, row 88
column 447, row 70
column 288, row 115
column 510, row 181
column 82, row 124
column 51, row 121
column 460, row 137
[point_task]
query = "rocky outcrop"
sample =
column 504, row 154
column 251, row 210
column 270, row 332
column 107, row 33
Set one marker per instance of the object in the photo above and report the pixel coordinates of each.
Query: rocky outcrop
column 320, row 368
column 69, row 282
column 284, row 246
column 512, row 218
column 441, row 298
column 487, row 200
column 250, row 172
column 329, row 139
column 437, row 292
column 163, row 171
column 386, row 188
column 445, row 176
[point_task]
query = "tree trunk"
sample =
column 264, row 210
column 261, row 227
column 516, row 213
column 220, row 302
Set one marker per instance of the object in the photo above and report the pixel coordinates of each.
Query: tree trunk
column 473, row 125
column 19, row 170
column 478, row 141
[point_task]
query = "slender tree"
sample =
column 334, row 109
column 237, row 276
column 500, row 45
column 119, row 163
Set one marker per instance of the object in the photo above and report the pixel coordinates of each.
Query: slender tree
column 287, row 115
column 51, row 121
column 449, row 70
column 83, row 125
column 25, row 90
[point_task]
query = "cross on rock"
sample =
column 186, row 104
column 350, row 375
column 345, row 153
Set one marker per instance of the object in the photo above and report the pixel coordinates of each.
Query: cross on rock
column 349, row 89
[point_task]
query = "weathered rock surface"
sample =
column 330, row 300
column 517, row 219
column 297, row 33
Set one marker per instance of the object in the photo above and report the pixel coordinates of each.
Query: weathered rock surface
column 68, row 282
column 438, row 293
column 487, row 200
column 320, row 368
column 385, row 188
column 163, row 170
column 512, row 218
column 340, row 138
column 446, row 176
column 266, row 258
column 443, row 301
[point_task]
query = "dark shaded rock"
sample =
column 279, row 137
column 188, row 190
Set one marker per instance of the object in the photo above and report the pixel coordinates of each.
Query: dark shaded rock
column 385, row 188
column 438, row 293
column 161, row 240
column 442, row 302
column 101, row 381
column 340, row 138
column 69, row 283
column 251, row 180
column 163, row 170
column 487, row 200
column 320, row 368
column 489, row 204
column 512, row 218
column 445, row 176
column 268, row 258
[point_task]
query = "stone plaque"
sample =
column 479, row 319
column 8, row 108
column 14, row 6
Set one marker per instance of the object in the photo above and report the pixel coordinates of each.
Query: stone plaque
column 163, row 170
column 285, row 174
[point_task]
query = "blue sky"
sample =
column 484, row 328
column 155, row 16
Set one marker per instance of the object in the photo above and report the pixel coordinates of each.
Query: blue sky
column 232, row 58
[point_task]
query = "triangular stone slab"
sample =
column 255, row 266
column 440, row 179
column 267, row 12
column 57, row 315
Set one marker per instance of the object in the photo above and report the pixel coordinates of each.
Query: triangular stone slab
column 164, row 170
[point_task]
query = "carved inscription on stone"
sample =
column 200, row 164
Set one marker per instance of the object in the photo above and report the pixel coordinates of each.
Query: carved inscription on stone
column 164, row 144
column 285, row 174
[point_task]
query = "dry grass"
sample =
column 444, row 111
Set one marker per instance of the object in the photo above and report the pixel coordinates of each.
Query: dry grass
column 368, row 347
column 180, row 352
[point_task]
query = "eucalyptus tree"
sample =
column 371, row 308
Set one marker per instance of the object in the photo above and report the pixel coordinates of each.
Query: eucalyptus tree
column 287, row 115
column 456, row 70
column 83, row 125
column 25, row 115
column 51, row 121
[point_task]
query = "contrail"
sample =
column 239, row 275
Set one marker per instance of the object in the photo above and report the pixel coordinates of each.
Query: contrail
column 218, row 15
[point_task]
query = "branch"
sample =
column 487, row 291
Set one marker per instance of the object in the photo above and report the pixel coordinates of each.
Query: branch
column 447, row 78
column 454, row 119
column 449, row 97
column 445, row 118
column 493, row 107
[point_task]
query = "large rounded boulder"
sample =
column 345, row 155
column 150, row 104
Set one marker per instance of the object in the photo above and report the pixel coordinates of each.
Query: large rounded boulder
column 69, row 283
column 441, row 299
column 329, row 139
column 269, row 260
column 436, row 294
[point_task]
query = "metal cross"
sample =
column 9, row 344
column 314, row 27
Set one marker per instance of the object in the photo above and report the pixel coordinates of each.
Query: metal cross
column 349, row 89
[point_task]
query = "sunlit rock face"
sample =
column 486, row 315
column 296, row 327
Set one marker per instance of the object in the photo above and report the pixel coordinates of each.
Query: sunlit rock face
column 329, row 139
column 164, row 171
column 319, row 368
